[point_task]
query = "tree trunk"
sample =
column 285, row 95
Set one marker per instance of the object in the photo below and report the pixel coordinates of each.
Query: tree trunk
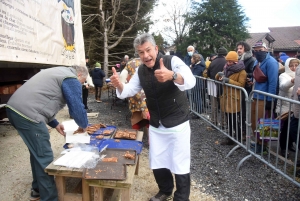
column 105, row 47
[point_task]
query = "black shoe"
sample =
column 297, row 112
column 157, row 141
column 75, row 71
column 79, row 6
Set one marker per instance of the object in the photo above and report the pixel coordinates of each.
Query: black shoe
column 227, row 141
column 283, row 153
column 161, row 197
column 34, row 195
column 195, row 116
column 292, row 149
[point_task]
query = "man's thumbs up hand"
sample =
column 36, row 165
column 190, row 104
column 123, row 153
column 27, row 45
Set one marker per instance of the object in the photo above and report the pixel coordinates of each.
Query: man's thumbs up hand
column 114, row 79
column 114, row 71
column 163, row 74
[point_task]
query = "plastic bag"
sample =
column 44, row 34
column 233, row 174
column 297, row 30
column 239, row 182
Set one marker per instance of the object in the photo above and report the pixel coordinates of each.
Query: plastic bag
column 93, row 161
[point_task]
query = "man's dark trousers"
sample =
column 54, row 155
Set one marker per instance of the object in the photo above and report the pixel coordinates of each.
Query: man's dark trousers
column 37, row 139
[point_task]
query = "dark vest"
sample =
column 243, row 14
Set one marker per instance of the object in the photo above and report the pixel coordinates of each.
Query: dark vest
column 166, row 103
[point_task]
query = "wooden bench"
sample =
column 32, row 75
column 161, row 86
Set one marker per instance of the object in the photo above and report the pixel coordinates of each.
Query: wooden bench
column 122, row 189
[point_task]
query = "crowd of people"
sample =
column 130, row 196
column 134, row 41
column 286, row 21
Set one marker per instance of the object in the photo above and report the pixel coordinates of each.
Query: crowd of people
column 252, row 68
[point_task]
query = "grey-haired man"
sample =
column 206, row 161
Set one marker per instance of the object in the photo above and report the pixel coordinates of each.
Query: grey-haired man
column 164, row 80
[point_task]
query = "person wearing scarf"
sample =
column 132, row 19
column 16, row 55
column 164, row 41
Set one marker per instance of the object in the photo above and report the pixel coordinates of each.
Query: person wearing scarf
column 234, row 73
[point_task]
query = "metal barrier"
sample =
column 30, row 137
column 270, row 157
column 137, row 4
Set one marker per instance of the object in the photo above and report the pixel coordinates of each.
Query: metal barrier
column 222, row 106
column 244, row 120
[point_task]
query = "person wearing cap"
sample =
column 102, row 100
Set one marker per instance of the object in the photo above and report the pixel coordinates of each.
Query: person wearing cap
column 234, row 73
column 97, row 76
column 260, row 103
column 216, row 66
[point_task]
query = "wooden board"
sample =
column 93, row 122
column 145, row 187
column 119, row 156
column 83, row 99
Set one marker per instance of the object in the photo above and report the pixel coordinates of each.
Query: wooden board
column 106, row 170
column 119, row 153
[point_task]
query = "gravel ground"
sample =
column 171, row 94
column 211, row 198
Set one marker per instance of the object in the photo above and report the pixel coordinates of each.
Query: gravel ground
column 214, row 177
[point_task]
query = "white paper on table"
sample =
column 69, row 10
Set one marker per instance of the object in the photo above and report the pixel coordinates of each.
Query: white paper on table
column 74, row 159
column 78, row 137
column 70, row 127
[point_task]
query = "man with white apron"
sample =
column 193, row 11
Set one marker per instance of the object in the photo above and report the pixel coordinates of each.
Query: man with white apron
column 164, row 80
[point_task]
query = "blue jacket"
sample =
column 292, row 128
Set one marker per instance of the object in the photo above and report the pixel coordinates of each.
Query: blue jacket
column 269, row 66
column 197, row 69
column 97, row 76
column 187, row 59
column 284, row 57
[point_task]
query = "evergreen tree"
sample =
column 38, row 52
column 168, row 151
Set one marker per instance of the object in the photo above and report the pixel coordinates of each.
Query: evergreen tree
column 216, row 23
column 160, row 42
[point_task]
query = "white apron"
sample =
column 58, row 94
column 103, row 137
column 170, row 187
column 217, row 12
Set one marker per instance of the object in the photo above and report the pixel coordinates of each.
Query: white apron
column 170, row 148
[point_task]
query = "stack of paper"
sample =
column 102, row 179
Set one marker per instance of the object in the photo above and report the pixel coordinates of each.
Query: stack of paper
column 70, row 127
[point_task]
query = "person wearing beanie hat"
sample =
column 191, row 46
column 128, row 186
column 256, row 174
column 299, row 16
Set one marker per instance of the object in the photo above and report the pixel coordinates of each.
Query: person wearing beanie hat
column 232, row 56
column 98, row 65
column 222, row 51
column 97, row 76
column 234, row 73
column 216, row 66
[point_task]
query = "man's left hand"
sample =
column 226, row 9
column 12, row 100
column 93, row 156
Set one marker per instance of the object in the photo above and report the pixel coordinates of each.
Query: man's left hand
column 60, row 128
column 163, row 74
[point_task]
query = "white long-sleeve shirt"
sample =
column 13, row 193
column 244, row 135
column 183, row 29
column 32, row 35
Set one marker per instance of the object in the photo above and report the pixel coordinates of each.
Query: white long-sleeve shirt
column 178, row 66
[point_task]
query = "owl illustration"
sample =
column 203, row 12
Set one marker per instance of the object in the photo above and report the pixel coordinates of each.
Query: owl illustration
column 67, row 23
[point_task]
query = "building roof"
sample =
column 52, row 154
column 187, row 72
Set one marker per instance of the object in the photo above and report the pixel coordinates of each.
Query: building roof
column 286, row 38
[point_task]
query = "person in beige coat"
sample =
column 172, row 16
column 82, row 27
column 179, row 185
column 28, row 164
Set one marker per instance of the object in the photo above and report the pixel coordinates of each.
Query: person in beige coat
column 230, row 101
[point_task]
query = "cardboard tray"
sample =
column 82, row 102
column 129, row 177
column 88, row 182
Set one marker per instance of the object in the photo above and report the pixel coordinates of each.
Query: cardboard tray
column 119, row 153
column 106, row 170
column 129, row 130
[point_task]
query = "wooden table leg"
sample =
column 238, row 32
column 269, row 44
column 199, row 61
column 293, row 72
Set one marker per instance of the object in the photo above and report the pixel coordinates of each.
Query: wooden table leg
column 98, row 194
column 61, row 187
column 137, row 166
column 125, row 194
column 85, row 191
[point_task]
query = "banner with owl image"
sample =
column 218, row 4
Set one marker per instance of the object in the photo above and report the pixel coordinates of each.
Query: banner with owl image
column 39, row 31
